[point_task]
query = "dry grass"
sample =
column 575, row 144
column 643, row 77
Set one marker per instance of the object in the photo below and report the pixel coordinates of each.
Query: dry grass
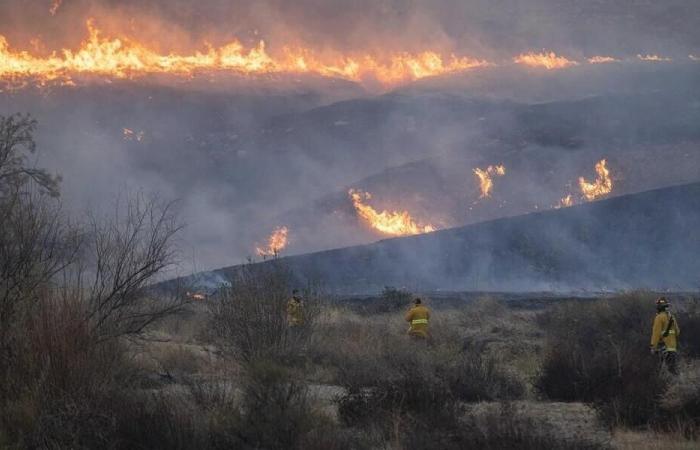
column 650, row 440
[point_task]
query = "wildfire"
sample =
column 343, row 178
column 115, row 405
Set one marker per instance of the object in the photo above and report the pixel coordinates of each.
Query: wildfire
column 125, row 58
column 565, row 202
column 547, row 60
column 653, row 58
column 394, row 223
column 275, row 243
column 131, row 135
column 602, row 59
column 485, row 178
column 602, row 185
column 694, row 58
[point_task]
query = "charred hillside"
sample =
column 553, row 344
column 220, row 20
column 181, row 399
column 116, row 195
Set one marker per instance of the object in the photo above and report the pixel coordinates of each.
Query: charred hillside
column 645, row 240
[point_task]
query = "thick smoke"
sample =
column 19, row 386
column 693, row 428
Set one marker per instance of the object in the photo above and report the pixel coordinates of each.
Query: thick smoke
column 246, row 157
column 479, row 27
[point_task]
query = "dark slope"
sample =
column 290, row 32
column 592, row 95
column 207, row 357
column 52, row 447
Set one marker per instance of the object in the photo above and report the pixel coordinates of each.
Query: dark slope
column 645, row 240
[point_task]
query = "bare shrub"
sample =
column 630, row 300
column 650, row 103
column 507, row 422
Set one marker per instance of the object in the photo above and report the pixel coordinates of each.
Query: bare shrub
column 681, row 404
column 61, row 350
column 512, row 428
column 598, row 353
column 122, row 254
column 689, row 320
column 159, row 421
column 276, row 409
column 249, row 317
column 419, row 386
column 16, row 170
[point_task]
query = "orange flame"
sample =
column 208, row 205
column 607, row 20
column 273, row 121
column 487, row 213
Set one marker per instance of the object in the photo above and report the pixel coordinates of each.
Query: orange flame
column 394, row 223
column 485, row 178
column 602, row 185
column 131, row 135
column 125, row 58
column 602, row 59
column 275, row 243
column 653, row 58
column 565, row 202
column 547, row 60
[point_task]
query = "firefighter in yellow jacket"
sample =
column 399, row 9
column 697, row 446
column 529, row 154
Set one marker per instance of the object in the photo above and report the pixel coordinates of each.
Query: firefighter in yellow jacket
column 664, row 335
column 295, row 310
column 418, row 317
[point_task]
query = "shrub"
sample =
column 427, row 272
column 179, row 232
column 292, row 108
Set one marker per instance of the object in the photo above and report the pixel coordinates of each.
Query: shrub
column 681, row 404
column 598, row 353
column 408, row 382
column 689, row 321
column 276, row 410
column 249, row 317
column 512, row 428
column 392, row 300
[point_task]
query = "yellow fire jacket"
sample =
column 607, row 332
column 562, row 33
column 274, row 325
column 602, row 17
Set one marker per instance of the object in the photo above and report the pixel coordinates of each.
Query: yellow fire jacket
column 657, row 333
column 295, row 313
column 418, row 317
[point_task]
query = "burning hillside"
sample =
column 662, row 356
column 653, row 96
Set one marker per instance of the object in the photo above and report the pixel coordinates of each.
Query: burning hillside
column 485, row 178
column 277, row 242
column 602, row 185
column 122, row 57
column 126, row 58
column 392, row 223
column 547, row 60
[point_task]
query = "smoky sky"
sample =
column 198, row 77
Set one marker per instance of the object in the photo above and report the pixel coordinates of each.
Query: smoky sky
column 245, row 157
column 479, row 27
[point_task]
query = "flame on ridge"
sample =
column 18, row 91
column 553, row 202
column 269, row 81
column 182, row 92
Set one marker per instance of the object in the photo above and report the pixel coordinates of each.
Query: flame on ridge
column 547, row 60
column 277, row 242
column 602, row 185
column 653, row 58
column 125, row 58
column 565, row 202
column 131, row 135
column 485, row 178
column 393, row 223
column 602, row 59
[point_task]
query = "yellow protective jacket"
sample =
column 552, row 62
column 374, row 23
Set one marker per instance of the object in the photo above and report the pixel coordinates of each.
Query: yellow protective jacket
column 295, row 313
column 418, row 317
column 657, row 333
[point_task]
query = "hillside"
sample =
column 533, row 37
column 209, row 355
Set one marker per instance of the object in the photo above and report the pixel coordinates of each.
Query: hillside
column 645, row 240
column 247, row 160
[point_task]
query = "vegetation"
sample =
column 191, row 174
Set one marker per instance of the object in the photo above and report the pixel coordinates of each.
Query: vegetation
column 92, row 357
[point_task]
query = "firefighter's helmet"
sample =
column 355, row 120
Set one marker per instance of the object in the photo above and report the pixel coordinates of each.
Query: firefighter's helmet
column 661, row 303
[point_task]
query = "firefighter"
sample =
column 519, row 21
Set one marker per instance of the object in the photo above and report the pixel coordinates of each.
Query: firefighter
column 295, row 310
column 418, row 317
column 664, row 335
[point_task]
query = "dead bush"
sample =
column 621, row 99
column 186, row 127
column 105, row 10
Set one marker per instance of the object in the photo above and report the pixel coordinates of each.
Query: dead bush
column 249, row 317
column 275, row 408
column 598, row 353
column 511, row 428
column 681, row 404
column 410, row 381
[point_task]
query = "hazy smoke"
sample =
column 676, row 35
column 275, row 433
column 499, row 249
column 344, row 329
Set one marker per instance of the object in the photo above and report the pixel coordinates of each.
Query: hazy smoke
column 252, row 156
column 479, row 27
